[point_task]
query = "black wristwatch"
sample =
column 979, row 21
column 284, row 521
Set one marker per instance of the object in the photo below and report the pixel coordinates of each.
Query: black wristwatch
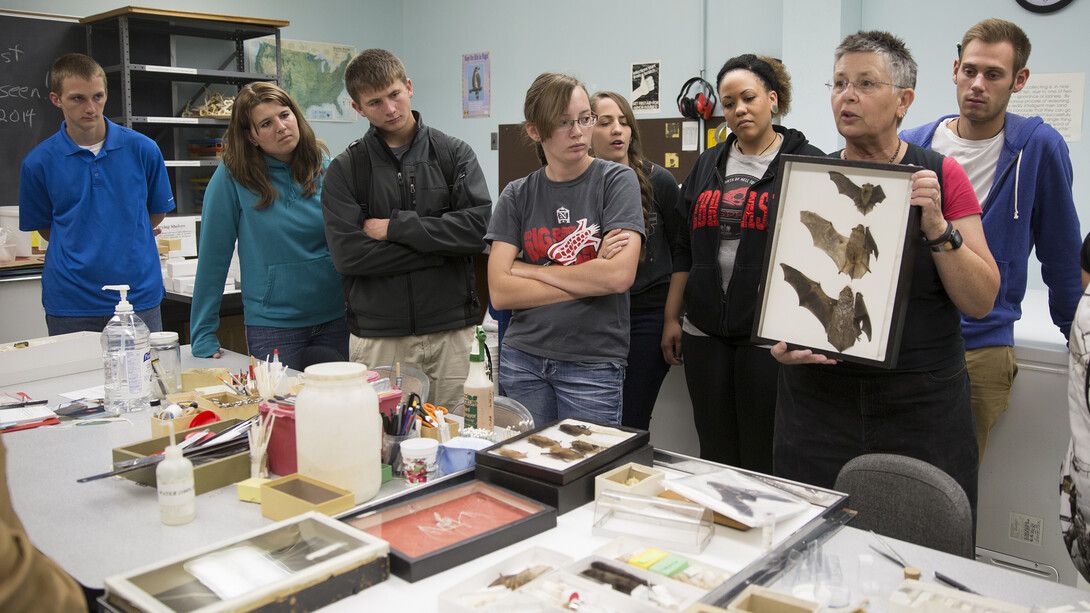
column 948, row 241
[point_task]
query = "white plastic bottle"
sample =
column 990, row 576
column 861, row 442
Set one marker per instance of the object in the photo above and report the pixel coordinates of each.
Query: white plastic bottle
column 478, row 392
column 174, row 479
column 126, row 358
column 338, row 431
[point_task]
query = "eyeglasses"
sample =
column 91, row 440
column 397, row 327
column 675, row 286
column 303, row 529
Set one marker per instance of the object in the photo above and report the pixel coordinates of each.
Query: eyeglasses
column 862, row 86
column 585, row 121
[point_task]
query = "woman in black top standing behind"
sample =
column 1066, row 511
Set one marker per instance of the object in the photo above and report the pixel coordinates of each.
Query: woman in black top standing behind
column 726, row 201
column 616, row 138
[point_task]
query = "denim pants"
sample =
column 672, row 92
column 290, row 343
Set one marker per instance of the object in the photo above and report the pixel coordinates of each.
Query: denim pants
column 95, row 323
column 557, row 389
column 300, row 347
column 645, row 372
column 825, row 418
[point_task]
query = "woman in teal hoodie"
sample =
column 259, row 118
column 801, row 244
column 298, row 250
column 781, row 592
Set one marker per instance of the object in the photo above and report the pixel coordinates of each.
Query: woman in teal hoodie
column 266, row 195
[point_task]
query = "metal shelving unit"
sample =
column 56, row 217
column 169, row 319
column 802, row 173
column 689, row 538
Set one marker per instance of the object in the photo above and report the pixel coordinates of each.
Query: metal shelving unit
column 136, row 47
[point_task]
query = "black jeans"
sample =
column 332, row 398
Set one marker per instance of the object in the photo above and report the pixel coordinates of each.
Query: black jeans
column 825, row 418
column 733, row 390
column 645, row 372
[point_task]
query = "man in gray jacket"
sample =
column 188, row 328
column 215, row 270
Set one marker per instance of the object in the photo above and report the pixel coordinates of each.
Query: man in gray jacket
column 406, row 208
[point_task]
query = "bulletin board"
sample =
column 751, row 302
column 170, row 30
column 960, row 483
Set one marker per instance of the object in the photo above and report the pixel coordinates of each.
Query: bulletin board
column 661, row 145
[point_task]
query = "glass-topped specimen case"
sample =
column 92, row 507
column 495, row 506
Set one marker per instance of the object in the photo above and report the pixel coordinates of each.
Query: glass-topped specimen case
column 564, row 450
column 310, row 560
column 435, row 531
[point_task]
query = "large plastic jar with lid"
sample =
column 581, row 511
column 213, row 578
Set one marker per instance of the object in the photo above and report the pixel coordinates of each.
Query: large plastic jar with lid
column 338, row 431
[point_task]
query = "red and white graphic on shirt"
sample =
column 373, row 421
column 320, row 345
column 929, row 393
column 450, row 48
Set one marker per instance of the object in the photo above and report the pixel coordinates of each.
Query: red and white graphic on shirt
column 539, row 243
column 566, row 251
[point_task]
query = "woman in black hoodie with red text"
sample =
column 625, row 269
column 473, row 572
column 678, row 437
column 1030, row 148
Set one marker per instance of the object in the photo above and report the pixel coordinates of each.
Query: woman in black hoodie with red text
column 726, row 200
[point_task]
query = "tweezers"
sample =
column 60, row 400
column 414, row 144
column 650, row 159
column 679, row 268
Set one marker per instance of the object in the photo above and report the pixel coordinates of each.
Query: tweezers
column 889, row 551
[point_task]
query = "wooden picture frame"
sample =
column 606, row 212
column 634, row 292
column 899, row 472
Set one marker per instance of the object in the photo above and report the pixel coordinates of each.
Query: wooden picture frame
column 839, row 258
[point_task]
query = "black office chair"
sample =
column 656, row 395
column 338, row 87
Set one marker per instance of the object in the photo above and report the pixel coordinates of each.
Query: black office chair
column 910, row 500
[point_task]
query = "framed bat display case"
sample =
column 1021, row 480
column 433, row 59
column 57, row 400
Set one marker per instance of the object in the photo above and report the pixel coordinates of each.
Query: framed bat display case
column 838, row 262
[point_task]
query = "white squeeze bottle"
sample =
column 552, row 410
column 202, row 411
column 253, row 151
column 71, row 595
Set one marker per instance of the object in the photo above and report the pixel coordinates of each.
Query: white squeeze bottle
column 126, row 357
column 174, row 479
column 479, row 409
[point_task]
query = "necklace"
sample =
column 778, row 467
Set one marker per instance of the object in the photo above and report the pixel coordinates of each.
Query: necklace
column 957, row 126
column 775, row 139
column 843, row 152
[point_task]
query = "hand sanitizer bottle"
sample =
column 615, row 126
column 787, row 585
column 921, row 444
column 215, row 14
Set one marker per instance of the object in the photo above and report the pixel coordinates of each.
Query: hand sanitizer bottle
column 126, row 356
column 174, row 479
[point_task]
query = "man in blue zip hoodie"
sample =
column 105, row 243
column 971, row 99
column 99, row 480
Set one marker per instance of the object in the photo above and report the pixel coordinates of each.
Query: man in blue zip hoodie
column 1021, row 171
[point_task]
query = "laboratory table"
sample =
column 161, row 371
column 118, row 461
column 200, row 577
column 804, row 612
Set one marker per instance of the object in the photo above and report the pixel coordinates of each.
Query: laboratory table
column 98, row 529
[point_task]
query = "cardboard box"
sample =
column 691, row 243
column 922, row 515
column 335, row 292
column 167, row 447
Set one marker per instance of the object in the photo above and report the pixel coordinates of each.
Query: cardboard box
column 159, row 426
column 206, row 477
column 452, row 431
column 49, row 357
column 193, row 378
column 564, row 497
column 633, row 478
column 757, row 599
column 220, row 404
column 296, row 494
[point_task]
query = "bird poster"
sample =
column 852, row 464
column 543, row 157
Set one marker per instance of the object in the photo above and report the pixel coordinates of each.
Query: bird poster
column 840, row 244
column 476, row 85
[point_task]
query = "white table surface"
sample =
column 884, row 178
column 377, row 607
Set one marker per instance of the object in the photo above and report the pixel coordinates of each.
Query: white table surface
column 99, row 529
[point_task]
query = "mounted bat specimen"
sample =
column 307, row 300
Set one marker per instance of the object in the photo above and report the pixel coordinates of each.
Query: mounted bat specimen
column 845, row 318
column 850, row 253
column 865, row 197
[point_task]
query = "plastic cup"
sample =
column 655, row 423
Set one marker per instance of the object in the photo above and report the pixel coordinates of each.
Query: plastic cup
column 391, row 450
column 418, row 458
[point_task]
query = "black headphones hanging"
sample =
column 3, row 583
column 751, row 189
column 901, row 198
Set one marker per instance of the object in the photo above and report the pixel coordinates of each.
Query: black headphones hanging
column 700, row 106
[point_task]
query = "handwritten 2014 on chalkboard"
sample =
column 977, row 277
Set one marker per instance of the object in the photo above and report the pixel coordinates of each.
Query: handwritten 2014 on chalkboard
column 28, row 47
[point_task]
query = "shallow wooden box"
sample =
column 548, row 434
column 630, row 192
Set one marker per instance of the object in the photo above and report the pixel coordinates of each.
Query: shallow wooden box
column 648, row 481
column 296, row 494
column 206, row 477
column 757, row 599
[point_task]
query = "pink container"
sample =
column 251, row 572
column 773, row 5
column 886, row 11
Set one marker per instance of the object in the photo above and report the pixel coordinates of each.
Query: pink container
column 388, row 400
column 281, row 449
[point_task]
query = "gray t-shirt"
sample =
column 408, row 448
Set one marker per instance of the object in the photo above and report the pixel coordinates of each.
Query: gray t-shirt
column 741, row 172
column 563, row 224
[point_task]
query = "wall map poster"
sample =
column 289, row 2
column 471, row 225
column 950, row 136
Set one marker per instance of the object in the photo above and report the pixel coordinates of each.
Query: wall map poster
column 646, row 94
column 476, row 85
column 313, row 73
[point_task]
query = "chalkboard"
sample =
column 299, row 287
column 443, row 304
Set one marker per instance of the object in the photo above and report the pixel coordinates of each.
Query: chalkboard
column 28, row 47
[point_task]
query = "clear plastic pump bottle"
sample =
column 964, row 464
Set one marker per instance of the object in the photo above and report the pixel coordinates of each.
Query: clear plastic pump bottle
column 126, row 358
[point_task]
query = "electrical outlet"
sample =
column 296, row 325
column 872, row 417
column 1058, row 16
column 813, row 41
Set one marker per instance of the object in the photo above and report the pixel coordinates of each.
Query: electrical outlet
column 495, row 141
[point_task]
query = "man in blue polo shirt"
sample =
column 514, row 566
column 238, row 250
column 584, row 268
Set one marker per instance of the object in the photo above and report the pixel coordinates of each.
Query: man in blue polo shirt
column 95, row 190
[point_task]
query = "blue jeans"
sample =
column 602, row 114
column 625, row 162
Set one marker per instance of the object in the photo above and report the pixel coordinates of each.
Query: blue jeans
column 825, row 418
column 645, row 372
column 555, row 389
column 300, row 347
column 95, row 323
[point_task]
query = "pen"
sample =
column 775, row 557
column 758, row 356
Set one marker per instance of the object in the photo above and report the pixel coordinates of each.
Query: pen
column 954, row 584
column 28, row 403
